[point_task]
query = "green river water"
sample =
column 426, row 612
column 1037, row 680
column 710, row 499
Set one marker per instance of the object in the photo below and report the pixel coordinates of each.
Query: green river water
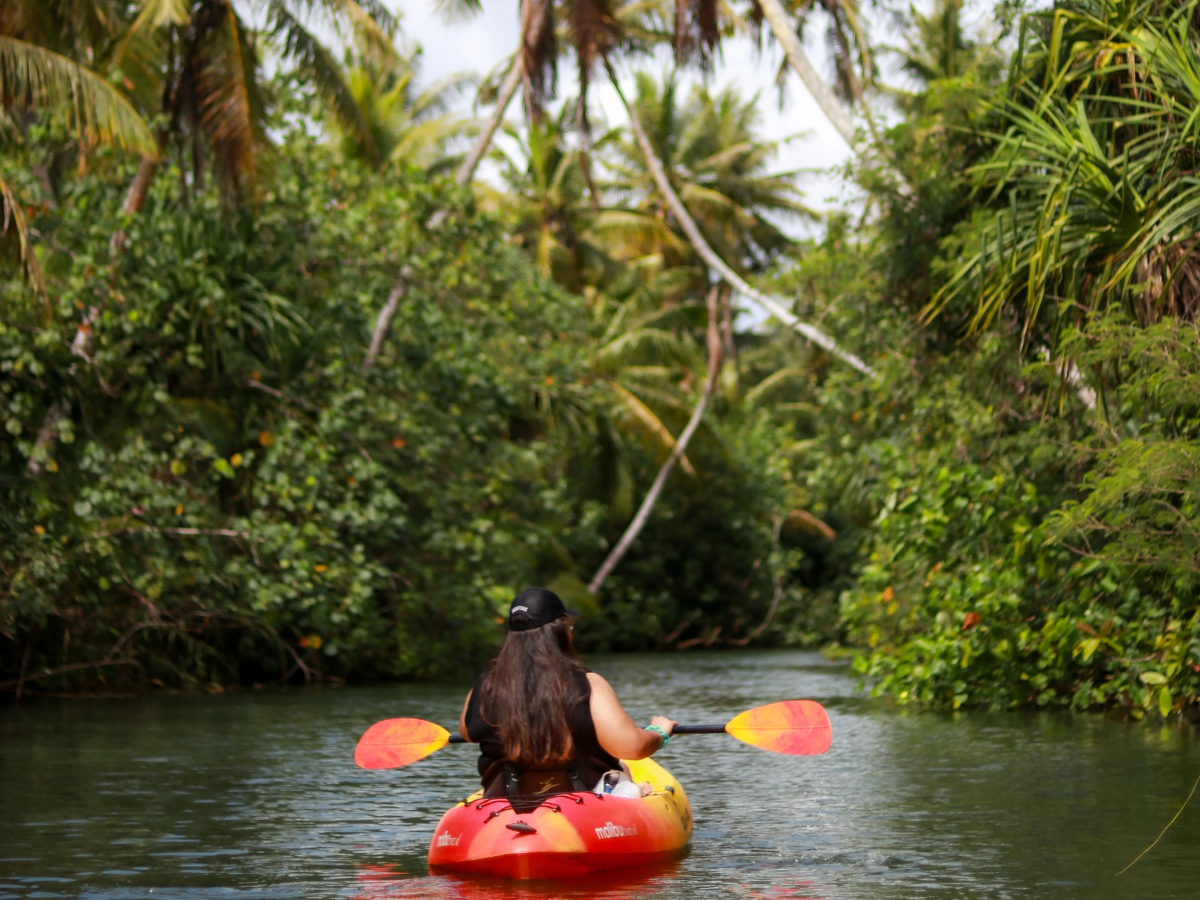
column 255, row 795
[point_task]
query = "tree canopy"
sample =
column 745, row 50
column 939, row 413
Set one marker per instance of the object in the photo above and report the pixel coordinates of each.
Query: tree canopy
column 290, row 395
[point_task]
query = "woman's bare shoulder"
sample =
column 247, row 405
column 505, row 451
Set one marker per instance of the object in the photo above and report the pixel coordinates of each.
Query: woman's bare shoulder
column 598, row 683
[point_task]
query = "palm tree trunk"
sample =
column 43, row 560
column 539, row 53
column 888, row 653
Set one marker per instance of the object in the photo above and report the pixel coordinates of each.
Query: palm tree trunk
column 781, row 27
column 729, row 348
column 643, row 513
column 135, row 197
column 139, row 188
column 384, row 321
column 508, row 88
column 706, row 253
column 511, row 82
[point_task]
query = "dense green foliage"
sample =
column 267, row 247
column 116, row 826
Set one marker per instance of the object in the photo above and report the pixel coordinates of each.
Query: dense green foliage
column 229, row 498
column 1028, row 523
column 217, row 483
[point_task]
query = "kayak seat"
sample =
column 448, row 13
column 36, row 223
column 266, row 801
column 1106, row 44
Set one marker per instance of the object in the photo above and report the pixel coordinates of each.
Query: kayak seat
column 526, row 788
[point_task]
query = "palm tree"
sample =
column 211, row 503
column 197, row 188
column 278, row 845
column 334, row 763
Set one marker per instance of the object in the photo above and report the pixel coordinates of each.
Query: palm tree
column 593, row 29
column 635, row 388
column 545, row 197
column 560, row 220
column 1095, row 200
column 686, row 223
column 403, row 123
column 937, row 48
column 198, row 64
column 704, row 151
column 713, row 343
column 37, row 79
column 853, row 62
column 716, row 164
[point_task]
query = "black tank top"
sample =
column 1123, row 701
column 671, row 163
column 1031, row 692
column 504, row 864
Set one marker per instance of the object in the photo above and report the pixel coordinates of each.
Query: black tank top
column 583, row 730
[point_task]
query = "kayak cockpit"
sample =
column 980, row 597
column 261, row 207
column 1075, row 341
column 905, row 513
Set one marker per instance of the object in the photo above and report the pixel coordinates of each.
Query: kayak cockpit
column 565, row 834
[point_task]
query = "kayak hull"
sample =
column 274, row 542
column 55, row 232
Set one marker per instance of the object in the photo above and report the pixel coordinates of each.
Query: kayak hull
column 568, row 834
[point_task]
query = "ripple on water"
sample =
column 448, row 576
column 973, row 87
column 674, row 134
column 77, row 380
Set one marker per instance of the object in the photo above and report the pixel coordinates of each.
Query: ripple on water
column 256, row 796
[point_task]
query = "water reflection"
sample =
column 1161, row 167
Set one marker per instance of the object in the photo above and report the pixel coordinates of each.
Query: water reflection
column 391, row 882
column 256, row 796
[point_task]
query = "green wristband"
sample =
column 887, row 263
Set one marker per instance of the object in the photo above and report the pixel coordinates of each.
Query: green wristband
column 660, row 730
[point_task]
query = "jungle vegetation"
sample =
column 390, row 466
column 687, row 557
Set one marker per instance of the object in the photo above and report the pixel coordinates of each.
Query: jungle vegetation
column 289, row 394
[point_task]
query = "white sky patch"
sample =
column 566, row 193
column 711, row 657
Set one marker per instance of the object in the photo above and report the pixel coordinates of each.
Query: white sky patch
column 482, row 43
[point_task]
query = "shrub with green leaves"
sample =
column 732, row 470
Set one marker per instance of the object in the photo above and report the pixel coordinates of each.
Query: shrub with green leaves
column 224, row 495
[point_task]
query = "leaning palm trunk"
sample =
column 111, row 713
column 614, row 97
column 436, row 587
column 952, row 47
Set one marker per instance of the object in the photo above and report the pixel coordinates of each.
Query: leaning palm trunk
column 643, row 513
column 511, row 82
column 508, row 90
column 384, row 320
column 467, row 170
column 135, row 199
column 781, row 27
column 706, row 253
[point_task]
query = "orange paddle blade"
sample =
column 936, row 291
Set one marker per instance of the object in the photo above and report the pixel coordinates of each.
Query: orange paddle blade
column 397, row 742
column 794, row 727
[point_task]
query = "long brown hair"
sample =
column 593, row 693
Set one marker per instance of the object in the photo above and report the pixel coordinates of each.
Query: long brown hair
column 531, row 690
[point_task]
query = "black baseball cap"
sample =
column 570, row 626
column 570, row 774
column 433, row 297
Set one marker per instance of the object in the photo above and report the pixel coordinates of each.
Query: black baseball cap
column 541, row 605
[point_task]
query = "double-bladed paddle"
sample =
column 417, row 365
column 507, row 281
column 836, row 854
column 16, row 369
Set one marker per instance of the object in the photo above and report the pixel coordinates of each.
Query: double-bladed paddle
column 794, row 727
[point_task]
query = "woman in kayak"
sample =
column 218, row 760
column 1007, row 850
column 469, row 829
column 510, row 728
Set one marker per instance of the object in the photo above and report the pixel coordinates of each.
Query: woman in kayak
column 543, row 722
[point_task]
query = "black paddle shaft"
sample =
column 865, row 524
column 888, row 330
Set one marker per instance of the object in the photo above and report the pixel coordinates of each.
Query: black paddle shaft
column 679, row 729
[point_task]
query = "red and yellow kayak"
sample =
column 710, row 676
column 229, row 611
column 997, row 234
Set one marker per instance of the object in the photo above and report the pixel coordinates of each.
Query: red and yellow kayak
column 568, row 834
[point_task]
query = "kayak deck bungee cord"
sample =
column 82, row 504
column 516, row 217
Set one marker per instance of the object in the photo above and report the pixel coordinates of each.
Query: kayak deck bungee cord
column 567, row 834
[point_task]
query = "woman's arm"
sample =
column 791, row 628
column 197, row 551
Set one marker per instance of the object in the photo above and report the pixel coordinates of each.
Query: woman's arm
column 462, row 718
column 618, row 734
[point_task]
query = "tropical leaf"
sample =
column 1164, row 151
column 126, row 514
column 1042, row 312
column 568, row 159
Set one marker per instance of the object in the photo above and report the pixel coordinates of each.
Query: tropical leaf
column 15, row 233
column 230, row 105
column 318, row 64
column 772, row 383
column 640, row 345
column 1091, row 209
column 42, row 78
column 372, row 22
column 647, row 425
column 457, row 10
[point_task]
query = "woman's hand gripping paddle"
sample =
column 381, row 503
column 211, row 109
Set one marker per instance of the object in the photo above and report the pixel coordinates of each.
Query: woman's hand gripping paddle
column 793, row 727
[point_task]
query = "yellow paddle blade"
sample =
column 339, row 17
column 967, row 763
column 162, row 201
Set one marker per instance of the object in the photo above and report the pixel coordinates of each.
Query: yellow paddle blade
column 794, row 727
column 397, row 742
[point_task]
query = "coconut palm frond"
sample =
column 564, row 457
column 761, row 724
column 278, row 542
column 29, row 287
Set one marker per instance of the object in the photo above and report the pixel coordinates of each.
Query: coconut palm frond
column 423, row 143
column 640, row 345
column 772, row 383
column 230, row 103
column 457, row 10
column 303, row 49
column 372, row 27
column 15, row 234
column 648, row 427
column 631, row 228
column 440, row 95
column 33, row 74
